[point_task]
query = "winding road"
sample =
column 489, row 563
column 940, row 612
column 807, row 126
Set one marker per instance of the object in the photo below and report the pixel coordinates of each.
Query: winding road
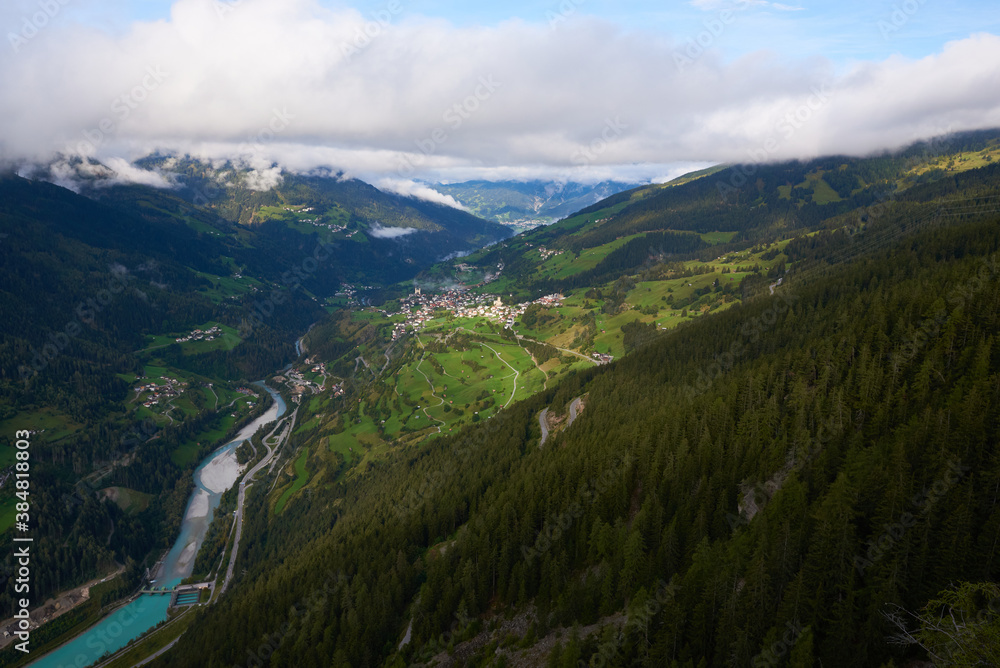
column 440, row 399
column 246, row 482
column 565, row 350
column 543, row 423
column 574, row 409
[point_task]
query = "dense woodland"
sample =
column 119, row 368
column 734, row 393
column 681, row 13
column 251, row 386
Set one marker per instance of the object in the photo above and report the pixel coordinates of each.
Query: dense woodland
column 812, row 470
column 86, row 279
column 818, row 465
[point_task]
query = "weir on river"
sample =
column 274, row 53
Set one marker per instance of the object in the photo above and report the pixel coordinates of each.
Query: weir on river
column 214, row 476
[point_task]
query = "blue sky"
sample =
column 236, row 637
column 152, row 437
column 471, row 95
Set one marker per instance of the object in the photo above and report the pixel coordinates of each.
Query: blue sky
column 841, row 31
column 406, row 91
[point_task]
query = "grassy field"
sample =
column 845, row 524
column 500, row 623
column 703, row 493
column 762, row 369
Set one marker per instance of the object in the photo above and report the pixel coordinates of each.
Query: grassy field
column 345, row 442
column 188, row 451
column 589, row 220
column 8, row 455
column 302, row 477
column 51, row 424
column 567, row 263
column 436, row 391
column 8, row 511
column 716, row 238
column 129, row 500
column 224, row 287
column 954, row 164
column 228, row 340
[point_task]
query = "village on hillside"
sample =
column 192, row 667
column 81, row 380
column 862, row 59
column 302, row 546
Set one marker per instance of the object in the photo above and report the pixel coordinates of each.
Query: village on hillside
column 420, row 308
column 199, row 335
column 299, row 385
column 171, row 389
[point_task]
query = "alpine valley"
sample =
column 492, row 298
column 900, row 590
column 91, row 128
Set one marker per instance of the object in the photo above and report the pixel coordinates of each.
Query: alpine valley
column 746, row 417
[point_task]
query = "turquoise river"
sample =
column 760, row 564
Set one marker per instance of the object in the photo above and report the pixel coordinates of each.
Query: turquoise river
column 214, row 476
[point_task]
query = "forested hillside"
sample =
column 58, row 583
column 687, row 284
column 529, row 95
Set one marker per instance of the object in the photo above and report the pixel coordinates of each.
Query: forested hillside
column 808, row 477
column 98, row 294
column 730, row 208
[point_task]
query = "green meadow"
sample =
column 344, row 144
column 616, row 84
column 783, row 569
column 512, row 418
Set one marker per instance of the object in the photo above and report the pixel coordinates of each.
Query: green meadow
column 302, row 477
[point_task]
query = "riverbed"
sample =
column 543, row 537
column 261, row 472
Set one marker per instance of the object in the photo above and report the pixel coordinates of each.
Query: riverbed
column 217, row 473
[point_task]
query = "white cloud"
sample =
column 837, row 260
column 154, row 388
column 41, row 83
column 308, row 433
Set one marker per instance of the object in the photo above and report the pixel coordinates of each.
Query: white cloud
column 73, row 173
column 125, row 172
column 263, row 179
column 380, row 232
column 716, row 5
column 409, row 188
column 426, row 99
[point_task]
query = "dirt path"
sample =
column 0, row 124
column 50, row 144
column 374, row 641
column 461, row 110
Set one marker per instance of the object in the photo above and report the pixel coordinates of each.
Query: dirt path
column 545, row 376
column 516, row 372
column 565, row 350
column 440, row 400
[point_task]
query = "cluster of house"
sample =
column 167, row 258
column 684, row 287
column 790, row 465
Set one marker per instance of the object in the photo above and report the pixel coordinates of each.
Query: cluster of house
column 546, row 253
column 199, row 335
column 247, row 391
column 490, row 276
column 419, row 308
column 522, row 222
column 299, row 384
column 351, row 292
column 317, row 222
column 602, row 358
column 173, row 388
